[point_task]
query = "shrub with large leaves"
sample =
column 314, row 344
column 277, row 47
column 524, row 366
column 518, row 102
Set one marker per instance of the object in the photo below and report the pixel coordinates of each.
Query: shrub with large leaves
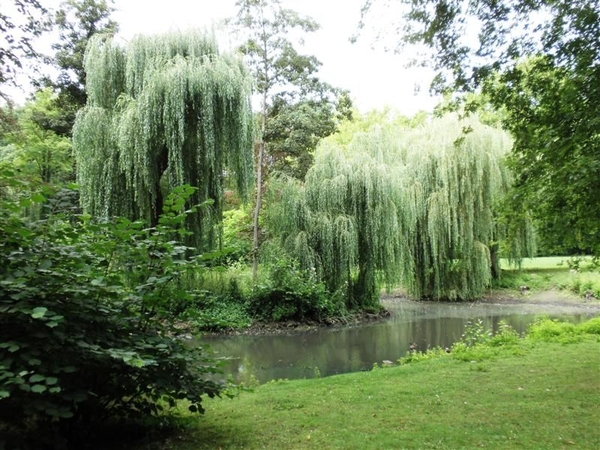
column 82, row 329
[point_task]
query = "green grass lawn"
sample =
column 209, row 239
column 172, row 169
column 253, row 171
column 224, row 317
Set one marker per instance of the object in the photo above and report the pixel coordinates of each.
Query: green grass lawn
column 553, row 272
column 533, row 396
column 548, row 262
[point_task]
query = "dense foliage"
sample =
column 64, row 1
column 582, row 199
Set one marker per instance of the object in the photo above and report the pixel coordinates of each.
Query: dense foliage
column 163, row 112
column 293, row 293
column 297, row 108
column 82, row 330
column 539, row 62
column 31, row 147
column 414, row 206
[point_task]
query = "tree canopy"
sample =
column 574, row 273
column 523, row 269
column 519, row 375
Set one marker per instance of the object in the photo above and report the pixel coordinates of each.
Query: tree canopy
column 164, row 111
column 20, row 23
column 33, row 149
column 76, row 21
column 416, row 206
column 297, row 108
column 538, row 61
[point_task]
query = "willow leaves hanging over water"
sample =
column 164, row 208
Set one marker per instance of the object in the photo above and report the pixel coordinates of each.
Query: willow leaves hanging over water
column 165, row 111
column 415, row 207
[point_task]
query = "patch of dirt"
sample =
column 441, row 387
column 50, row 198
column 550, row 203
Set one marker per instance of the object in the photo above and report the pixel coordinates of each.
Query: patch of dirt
column 547, row 298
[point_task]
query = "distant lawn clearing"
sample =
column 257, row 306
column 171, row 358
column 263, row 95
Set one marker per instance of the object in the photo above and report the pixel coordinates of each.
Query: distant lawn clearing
column 545, row 262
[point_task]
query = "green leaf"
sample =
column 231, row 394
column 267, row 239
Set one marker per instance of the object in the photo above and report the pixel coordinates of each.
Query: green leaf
column 13, row 348
column 79, row 396
column 4, row 394
column 54, row 390
column 98, row 282
column 38, row 198
column 60, row 412
column 39, row 312
column 51, row 380
column 34, row 362
column 38, row 388
column 36, row 378
column 45, row 265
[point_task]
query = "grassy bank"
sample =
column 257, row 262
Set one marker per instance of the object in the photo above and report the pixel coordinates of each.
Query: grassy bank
column 540, row 392
column 572, row 276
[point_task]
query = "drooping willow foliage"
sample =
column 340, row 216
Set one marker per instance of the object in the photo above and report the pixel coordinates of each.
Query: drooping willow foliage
column 457, row 182
column 164, row 111
column 396, row 205
column 344, row 220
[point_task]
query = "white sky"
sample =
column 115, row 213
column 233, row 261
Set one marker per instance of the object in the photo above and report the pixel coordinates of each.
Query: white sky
column 374, row 78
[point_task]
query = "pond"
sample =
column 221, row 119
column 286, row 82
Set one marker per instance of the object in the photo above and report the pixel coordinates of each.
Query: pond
column 335, row 350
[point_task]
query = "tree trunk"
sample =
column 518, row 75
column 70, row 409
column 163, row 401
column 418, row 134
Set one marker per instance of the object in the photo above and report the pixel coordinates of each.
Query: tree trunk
column 156, row 208
column 496, row 271
column 260, row 162
column 259, row 183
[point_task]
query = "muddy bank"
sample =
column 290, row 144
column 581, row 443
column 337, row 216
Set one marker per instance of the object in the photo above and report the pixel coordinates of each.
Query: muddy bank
column 274, row 328
column 553, row 302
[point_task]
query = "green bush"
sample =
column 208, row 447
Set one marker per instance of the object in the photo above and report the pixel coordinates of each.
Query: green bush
column 218, row 311
column 292, row 294
column 591, row 326
column 547, row 330
column 82, row 330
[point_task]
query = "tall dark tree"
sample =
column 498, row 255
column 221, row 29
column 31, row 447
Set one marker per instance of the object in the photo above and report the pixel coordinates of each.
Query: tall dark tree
column 297, row 108
column 76, row 22
column 540, row 62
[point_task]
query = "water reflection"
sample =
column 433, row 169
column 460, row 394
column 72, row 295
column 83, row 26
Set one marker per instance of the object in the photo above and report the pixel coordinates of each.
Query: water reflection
column 332, row 351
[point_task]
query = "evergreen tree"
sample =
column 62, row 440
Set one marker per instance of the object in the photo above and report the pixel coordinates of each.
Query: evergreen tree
column 76, row 22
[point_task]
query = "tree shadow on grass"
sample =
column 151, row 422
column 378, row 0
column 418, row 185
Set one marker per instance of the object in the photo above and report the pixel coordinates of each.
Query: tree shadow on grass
column 191, row 433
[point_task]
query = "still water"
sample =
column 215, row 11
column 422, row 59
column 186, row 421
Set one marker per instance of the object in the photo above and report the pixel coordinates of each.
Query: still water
column 329, row 351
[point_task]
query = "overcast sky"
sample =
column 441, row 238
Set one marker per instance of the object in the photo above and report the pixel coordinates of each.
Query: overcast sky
column 374, row 78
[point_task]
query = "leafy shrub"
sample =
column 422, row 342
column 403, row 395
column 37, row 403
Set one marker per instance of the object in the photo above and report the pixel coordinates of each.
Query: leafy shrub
column 432, row 353
column 292, row 294
column 237, row 235
column 82, row 335
column 475, row 333
column 478, row 344
column 547, row 330
column 592, row 326
column 505, row 336
column 214, row 312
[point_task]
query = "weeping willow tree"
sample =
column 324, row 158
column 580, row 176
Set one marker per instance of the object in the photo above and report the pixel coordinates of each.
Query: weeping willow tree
column 457, row 181
column 164, row 111
column 344, row 220
column 412, row 206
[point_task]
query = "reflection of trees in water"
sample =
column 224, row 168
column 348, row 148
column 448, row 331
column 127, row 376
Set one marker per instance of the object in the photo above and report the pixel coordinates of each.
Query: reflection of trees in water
column 357, row 348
